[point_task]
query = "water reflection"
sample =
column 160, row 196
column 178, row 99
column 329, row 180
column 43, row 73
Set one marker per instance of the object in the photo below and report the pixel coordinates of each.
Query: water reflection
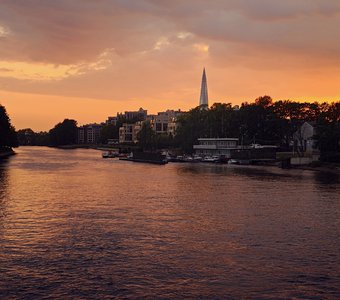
column 327, row 178
column 78, row 226
column 3, row 189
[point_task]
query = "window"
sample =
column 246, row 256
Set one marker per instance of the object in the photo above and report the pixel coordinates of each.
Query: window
column 158, row 126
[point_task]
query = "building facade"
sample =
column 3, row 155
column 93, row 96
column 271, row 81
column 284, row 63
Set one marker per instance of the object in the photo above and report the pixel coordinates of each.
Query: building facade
column 111, row 121
column 216, row 146
column 304, row 141
column 165, row 122
column 128, row 132
column 139, row 115
column 89, row 134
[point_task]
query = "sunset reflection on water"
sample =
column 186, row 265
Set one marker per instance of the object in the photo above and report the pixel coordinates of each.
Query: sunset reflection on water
column 73, row 225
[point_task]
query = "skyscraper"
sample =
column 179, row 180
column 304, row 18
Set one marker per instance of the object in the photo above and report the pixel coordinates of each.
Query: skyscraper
column 204, row 92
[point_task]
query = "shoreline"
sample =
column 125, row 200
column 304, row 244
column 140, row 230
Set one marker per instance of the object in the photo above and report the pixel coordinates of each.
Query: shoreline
column 332, row 168
column 7, row 153
column 323, row 167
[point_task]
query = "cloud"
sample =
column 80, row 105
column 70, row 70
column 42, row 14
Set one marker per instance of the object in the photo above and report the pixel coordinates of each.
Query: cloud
column 121, row 49
column 3, row 32
column 69, row 32
column 44, row 71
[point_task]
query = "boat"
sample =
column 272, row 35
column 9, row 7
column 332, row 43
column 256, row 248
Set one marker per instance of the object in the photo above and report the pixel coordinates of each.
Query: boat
column 146, row 157
column 210, row 159
column 239, row 162
column 233, row 162
column 109, row 154
column 178, row 158
column 197, row 158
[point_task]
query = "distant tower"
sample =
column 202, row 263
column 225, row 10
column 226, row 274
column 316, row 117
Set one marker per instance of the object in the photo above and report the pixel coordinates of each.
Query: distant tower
column 204, row 92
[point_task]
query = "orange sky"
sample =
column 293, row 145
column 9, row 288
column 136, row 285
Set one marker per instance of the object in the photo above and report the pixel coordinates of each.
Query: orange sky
column 87, row 59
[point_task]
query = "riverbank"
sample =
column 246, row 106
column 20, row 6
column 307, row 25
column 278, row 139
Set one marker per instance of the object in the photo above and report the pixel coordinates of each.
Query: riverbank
column 333, row 168
column 6, row 152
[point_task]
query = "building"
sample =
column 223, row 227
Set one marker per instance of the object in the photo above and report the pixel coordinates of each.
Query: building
column 93, row 133
column 305, row 148
column 172, row 127
column 128, row 132
column 304, row 138
column 82, row 133
column 216, row 146
column 111, row 121
column 89, row 134
column 204, row 103
column 139, row 115
column 165, row 122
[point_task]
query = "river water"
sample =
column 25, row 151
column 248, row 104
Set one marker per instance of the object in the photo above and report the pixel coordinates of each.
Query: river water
column 76, row 226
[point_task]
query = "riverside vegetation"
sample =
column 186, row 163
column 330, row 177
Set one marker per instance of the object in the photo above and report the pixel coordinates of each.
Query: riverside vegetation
column 262, row 121
column 8, row 136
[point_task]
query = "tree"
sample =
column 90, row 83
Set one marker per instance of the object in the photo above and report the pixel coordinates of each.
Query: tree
column 8, row 136
column 64, row 133
column 109, row 132
column 27, row 137
column 147, row 137
column 262, row 121
column 191, row 126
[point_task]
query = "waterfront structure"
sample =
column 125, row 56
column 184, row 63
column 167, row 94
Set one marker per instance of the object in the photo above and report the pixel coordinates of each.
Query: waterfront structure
column 89, row 134
column 304, row 138
column 216, row 146
column 204, row 92
column 128, row 132
column 305, row 149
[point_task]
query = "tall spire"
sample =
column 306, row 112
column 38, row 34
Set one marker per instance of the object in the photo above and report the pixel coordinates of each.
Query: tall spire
column 204, row 92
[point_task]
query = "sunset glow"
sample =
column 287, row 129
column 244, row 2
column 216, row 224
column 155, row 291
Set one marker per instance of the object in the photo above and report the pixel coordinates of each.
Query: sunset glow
column 88, row 60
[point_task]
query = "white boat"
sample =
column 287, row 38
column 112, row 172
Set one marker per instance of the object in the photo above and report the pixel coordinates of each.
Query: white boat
column 233, row 162
column 197, row 158
column 210, row 159
column 109, row 154
column 188, row 158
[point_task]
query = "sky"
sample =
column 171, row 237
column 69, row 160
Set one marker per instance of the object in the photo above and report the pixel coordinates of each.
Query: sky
column 89, row 59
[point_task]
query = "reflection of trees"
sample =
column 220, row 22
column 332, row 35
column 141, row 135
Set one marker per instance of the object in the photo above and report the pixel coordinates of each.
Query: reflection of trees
column 3, row 190
column 327, row 178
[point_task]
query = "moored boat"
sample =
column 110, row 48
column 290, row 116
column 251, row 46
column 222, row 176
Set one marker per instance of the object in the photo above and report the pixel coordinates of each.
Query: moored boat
column 146, row 157
column 109, row 154
column 210, row 159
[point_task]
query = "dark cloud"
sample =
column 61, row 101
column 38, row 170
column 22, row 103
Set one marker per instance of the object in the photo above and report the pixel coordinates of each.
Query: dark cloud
column 157, row 47
column 64, row 32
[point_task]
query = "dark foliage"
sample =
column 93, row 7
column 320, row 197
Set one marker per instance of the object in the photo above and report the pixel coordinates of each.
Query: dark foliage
column 27, row 137
column 264, row 122
column 8, row 136
column 64, row 133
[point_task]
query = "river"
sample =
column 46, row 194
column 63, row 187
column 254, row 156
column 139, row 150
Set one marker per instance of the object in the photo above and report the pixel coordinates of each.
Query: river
column 76, row 226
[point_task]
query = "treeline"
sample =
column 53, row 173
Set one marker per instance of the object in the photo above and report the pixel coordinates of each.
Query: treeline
column 64, row 133
column 8, row 136
column 263, row 122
